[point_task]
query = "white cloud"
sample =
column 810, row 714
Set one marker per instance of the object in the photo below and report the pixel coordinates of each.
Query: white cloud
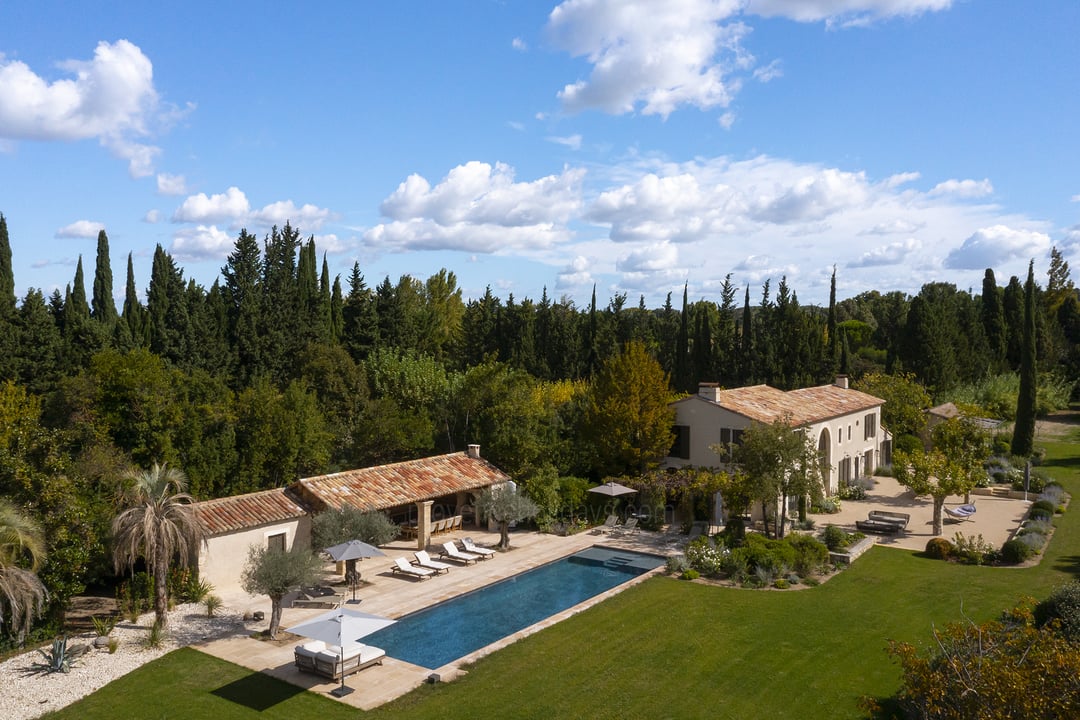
column 152, row 216
column 110, row 98
column 515, row 125
column 726, row 120
column 571, row 141
column 903, row 178
column 519, row 44
column 331, row 243
column 847, row 12
column 992, row 246
column 769, row 72
column 656, row 56
column 575, row 275
column 479, row 208
column 306, row 217
column 202, row 243
column 229, row 206
column 892, row 254
column 81, row 229
column 1075, row 198
column 896, row 226
column 651, row 258
column 171, row 184
column 1071, row 241
column 964, row 188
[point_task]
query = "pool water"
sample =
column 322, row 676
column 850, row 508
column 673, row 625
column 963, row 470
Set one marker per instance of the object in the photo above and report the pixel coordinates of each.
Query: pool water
column 445, row 632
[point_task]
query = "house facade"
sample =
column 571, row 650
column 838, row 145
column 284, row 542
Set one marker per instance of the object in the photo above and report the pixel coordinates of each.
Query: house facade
column 845, row 424
column 417, row 494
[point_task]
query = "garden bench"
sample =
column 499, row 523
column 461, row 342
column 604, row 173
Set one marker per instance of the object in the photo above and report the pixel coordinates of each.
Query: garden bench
column 900, row 519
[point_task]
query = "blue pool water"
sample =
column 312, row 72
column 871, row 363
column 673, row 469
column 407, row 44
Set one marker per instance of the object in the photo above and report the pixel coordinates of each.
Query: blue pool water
column 440, row 634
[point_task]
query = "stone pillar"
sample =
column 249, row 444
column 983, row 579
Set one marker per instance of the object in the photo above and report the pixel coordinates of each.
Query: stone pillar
column 423, row 523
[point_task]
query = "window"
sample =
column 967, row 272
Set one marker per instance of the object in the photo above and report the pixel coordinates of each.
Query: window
column 844, row 472
column 730, row 436
column 681, row 447
column 276, row 542
column 870, row 427
column 849, row 432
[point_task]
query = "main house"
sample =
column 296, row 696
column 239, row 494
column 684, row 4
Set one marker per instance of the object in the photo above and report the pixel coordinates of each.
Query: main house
column 845, row 423
column 423, row 496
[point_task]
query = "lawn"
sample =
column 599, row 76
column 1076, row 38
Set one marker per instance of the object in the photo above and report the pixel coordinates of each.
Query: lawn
column 665, row 648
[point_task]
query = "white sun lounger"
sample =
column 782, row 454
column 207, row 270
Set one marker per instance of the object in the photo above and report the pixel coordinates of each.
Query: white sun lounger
column 424, row 560
column 475, row 549
column 450, row 550
column 401, row 565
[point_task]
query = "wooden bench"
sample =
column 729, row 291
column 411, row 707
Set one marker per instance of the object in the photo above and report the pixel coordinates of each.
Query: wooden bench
column 900, row 519
column 880, row 527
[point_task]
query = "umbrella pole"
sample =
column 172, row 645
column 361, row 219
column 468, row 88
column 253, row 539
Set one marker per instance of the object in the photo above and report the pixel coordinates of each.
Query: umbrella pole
column 343, row 690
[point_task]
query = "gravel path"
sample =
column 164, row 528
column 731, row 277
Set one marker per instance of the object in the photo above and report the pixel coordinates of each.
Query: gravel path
column 26, row 694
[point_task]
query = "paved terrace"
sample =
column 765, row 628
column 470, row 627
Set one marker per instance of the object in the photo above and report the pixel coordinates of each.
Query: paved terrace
column 996, row 518
column 383, row 593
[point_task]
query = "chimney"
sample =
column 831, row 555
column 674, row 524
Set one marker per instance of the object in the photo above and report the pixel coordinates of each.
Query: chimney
column 473, row 452
column 709, row 391
column 841, row 382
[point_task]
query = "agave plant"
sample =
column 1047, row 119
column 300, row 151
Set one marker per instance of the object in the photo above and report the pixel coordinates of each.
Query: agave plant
column 60, row 658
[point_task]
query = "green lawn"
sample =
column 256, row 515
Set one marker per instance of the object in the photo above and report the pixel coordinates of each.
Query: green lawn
column 665, row 648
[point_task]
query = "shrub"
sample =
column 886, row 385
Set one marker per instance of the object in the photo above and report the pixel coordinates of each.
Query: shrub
column 764, row 576
column 835, row 538
column 1063, row 605
column 60, row 657
column 703, row 557
column 114, row 645
column 1040, row 504
column 973, row 550
column 852, row 492
column 1036, row 481
column 826, row 506
column 690, row 574
column 1054, row 493
column 213, row 604
column 810, row 554
column 884, row 470
column 1035, row 541
column 1015, row 551
column 1040, row 516
column 938, row 548
column 807, row 524
column 781, row 584
column 1040, row 527
column 676, row 564
column 103, row 626
column 761, row 552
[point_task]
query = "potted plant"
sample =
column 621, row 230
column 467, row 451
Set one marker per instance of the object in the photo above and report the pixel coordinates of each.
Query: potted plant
column 103, row 627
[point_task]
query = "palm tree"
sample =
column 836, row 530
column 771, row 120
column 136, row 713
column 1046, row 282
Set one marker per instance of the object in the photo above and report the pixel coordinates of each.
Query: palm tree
column 159, row 524
column 22, row 595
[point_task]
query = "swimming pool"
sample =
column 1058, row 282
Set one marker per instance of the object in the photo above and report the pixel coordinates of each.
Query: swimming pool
column 445, row 632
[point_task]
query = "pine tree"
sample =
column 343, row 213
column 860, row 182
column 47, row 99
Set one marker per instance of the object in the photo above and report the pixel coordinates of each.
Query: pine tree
column 103, row 307
column 1023, row 438
column 360, row 326
column 242, row 295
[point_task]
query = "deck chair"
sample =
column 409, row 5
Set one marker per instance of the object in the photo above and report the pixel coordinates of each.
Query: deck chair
column 401, row 565
column 469, row 546
column 608, row 525
column 450, row 550
column 424, row 560
column 627, row 527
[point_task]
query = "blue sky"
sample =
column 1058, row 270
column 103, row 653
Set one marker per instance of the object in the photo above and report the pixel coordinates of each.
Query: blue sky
column 634, row 145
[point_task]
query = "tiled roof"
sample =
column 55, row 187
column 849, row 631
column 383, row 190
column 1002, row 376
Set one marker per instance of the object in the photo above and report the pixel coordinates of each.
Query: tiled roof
column 806, row 405
column 386, row 486
column 947, row 410
column 241, row 512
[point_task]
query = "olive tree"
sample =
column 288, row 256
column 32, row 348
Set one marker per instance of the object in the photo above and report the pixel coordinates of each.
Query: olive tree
column 275, row 572
column 504, row 504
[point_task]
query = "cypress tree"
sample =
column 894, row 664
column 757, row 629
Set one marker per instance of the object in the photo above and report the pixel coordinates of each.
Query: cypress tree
column 1012, row 302
column 682, row 346
column 992, row 313
column 1023, row 439
column 746, row 361
column 78, row 305
column 103, row 307
column 7, row 274
column 337, row 318
column 830, row 328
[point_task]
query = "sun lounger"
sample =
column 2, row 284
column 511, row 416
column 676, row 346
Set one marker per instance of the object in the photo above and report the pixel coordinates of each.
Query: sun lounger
column 900, row 519
column 879, row 527
column 960, row 512
column 469, row 546
column 424, row 560
column 450, row 550
column 401, row 565
column 608, row 525
column 629, row 526
column 318, row 597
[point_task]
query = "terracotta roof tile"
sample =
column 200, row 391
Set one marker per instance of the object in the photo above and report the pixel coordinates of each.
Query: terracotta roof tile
column 386, row 486
column 240, row 512
column 806, row 405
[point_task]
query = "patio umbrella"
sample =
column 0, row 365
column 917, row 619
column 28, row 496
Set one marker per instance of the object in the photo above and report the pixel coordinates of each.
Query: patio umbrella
column 612, row 490
column 341, row 627
column 350, row 552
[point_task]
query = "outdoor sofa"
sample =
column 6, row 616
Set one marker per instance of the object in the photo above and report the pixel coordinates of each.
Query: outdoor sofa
column 321, row 659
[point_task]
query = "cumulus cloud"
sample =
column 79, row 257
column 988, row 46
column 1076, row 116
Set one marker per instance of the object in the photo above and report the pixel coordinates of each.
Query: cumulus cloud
column 202, row 243
column 726, row 120
column 575, row 275
column 171, row 184
column 813, row 196
column 992, row 246
column 964, row 188
column 306, row 216
column 110, row 98
column 228, row 206
column 846, row 12
column 81, row 229
column 656, row 56
column 892, row 254
column 478, row 207
column 896, row 226
column 152, row 216
column 651, row 258
column 571, row 141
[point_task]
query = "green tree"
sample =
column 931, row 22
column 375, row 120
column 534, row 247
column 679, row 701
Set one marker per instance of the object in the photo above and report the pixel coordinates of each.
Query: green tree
column 905, row 401
column 333, row 527
column 158, row 523
column 1023, row 438
column 134, row 313
column 505, row 505
column 7, row 274
column 628, row 419
column 935, row 474
column 103, row 307
column 22, row 550
column 275, row 573
column 993, row 319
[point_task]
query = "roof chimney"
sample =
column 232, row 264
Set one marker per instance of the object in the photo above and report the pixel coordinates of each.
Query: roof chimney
column 473, row 452
column 709, row 391
column 841, row 381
